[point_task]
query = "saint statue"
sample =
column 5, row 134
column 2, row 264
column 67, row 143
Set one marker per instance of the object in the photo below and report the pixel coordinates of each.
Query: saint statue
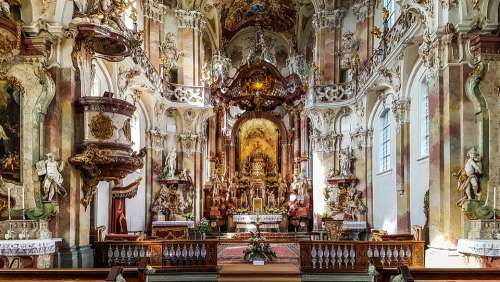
column 299, row 185
column 53, row 181
column 468, row 177
column 170, row 164
column 282, row 189
column 355, row 207
column 271, row 200
column 244, row 200
column 346, row 162
column 233, row 187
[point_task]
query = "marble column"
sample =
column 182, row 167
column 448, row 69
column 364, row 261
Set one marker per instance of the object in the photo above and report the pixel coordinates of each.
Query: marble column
column 190, row 25
column 327, row 28
column 401, row 108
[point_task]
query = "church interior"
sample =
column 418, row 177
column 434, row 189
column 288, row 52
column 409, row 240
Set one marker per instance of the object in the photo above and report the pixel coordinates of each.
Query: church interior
column 249, row 140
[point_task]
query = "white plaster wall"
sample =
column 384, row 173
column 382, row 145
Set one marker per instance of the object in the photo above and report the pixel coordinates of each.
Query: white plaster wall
column 101, row 205
column 419, row 161
column 384, row 183
column 135, row 208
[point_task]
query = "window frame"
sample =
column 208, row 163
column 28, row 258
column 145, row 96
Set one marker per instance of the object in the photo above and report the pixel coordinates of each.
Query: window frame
column 385, row 145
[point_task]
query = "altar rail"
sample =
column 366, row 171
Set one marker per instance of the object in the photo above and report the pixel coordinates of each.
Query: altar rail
column 179, row 255
column 354, row 256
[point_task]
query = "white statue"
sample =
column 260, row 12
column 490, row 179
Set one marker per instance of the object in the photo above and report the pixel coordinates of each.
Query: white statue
column 170, row 164
column 53, row 180
column 345, row 162
column 468, row 177
column 299, row 185
column 3, row 135
column 282, row 189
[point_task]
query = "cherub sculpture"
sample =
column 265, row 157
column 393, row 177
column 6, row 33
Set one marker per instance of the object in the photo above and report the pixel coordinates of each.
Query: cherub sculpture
column 468, row 177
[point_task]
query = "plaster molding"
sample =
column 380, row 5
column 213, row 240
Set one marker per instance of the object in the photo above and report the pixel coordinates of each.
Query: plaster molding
column 328, row 19
column 190, row 19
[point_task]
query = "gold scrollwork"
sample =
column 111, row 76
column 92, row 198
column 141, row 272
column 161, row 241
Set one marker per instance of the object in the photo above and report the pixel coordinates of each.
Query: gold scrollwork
column 127, row 130
column 101, row 126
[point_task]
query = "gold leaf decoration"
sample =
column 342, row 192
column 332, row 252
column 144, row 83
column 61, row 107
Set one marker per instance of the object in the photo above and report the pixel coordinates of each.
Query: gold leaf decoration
column 127, row 130
column 101, row 126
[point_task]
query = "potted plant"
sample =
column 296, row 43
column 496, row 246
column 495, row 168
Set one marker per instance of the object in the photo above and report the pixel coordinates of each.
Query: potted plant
column 258, row 251
column 203, row 228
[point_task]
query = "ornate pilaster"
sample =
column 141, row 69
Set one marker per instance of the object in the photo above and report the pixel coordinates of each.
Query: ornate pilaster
column 323, row 124
column 401, row 110
column 190, row 19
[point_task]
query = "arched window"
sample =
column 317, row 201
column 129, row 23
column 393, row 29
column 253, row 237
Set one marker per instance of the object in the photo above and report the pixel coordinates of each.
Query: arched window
column 424, row 118
column 389, row 5
column 385, row 142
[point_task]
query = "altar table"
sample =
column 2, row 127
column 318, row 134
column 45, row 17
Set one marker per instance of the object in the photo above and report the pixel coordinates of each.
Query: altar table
column 247, row 222
column 172, row 230
column 36, row 253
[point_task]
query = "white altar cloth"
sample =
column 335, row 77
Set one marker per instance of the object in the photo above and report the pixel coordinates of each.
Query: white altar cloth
column 251, row 218
column 28, row 247
column 485, row 248
column 184, row 223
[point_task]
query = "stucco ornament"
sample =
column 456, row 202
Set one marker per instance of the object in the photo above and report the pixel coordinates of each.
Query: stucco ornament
column 53, row 180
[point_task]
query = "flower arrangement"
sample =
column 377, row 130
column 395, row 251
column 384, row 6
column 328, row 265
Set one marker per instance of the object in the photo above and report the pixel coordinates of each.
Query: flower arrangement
column 259, row 249
column 240, row 211
column 202, row 226
column 276, row 211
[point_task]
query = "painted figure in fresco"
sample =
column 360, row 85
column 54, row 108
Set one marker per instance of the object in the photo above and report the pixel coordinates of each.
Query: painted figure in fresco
column 53, row 181
column 9, row 131
column 170, row 164
column 468, row 177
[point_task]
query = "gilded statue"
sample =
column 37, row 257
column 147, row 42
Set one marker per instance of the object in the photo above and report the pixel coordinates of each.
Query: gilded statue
column 468, row 177
column 53, row 180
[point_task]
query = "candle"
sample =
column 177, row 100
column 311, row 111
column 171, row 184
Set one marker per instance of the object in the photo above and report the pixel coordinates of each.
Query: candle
column 23, row 201
column 8, row 200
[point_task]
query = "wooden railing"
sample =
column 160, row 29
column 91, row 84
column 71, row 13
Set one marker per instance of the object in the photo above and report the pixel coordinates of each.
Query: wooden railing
column 354, row 256
column 181, row 255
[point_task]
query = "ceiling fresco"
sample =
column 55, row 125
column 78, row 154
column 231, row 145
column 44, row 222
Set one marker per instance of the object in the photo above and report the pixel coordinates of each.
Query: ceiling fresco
column 277, row 15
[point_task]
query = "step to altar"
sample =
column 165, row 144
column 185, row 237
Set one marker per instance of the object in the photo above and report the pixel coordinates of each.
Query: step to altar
column 267, row 273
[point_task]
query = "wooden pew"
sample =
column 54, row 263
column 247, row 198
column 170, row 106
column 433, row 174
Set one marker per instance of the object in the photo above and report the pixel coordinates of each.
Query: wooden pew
column 70, row 274
column 420, row 274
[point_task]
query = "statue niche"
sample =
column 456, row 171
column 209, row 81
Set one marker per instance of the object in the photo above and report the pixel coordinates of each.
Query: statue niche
column 10, row 135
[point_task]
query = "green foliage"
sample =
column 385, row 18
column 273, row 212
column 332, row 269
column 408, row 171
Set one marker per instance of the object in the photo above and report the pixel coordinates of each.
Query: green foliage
column 259, row 249
column 46, row 211
column 202, row 226
column 189, row 216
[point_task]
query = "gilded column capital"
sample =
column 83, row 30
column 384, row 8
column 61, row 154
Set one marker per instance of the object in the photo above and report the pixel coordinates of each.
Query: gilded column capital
column 190, row 19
